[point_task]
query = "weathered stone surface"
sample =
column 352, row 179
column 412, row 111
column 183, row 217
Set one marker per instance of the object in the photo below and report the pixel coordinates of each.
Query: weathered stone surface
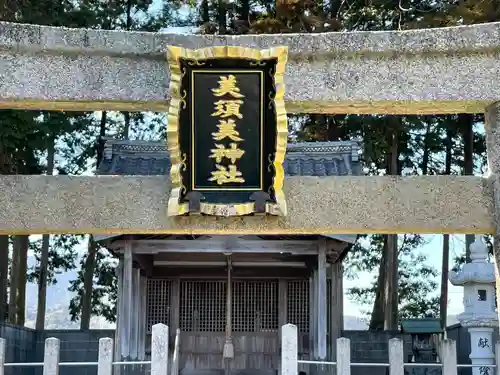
column 448, row 355
column 159, row 350
column 51, row 355
column 339, row 205
column 105, row 356
column 2, row 355
column 492, row 127
column 289, row 349
column 429, row 71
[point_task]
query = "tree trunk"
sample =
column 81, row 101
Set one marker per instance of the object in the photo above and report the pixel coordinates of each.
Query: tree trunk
column 221, row 16
column 334, row 8
column 335, row 130
column 425, row 158
column 205, row 12
column 23, row 245
column 391, row 285
column 245, row 11
column 4, row 276
column 126, row 129
column 377, row 316
column 86, row 303
column 14, row 269
column 466, row 122
column 102, row 134
column 5, row 168
column 385, row 308
column 391, row 266
column 128, row 23
column 44, row 258
column 443, row 304
column 88, row 278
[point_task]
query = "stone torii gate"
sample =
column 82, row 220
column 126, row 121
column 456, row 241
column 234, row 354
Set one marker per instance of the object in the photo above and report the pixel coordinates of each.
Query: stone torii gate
column 434, row 71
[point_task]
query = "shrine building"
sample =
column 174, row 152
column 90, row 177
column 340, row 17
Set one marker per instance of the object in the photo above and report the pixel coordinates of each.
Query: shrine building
column 182, row 280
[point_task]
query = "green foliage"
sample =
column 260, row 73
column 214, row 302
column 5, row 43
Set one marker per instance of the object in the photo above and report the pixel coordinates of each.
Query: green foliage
column 104, row 291
column 62, row 256
column 417, row 284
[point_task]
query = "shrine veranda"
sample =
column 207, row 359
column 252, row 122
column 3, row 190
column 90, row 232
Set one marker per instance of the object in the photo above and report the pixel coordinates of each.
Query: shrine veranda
column 195, row 265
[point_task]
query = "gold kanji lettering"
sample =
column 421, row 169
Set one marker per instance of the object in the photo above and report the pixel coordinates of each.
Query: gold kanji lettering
column 227, row 129
column 228, row 86
column 225, row 175
column 224, row 108
column 232, row 153
column 227, row 108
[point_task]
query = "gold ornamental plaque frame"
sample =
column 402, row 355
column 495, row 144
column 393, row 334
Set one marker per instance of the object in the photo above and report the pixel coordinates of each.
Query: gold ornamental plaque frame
column 183, row 62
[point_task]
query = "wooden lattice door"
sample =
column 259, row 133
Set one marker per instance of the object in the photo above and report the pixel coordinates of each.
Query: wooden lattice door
column 202, row 305
column 255, row 305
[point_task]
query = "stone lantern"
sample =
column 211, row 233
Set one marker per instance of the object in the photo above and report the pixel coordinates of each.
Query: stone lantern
column 479, row 316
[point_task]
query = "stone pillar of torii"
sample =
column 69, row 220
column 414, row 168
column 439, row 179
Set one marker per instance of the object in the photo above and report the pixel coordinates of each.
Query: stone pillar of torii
column 479, row 316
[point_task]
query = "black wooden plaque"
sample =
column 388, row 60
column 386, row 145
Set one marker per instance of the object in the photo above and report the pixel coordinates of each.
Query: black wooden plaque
column 227, row 135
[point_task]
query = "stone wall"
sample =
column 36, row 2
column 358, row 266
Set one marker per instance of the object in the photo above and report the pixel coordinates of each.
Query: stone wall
column 26, row 345
column 76, row 346
column 21, row 347
column 372, row 347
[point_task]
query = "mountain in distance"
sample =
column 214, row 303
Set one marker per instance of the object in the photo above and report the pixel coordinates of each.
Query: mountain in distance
column 58, row 317
column 58, row 297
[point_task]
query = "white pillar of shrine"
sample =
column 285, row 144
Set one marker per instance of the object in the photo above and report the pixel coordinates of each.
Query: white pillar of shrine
column 479, row 316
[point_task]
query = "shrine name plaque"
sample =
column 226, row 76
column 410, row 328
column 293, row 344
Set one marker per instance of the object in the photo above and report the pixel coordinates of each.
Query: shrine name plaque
column 227, row 131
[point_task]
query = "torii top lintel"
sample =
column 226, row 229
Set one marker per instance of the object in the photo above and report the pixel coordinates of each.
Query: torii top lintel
column 443, row 70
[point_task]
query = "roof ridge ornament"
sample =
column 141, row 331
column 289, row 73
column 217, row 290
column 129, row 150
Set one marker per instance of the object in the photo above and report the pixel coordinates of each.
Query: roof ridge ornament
column 322, row 147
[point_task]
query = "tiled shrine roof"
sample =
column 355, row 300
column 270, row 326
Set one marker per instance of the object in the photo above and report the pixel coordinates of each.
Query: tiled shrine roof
column 149, row 158
column 126, row 157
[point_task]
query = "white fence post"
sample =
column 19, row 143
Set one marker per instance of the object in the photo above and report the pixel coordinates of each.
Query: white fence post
column 289, row 350
column 343, row 356
column 175, row 357
column 105, row 359
column 159, row 350
column 396, row 357
column 2, row 355
column 497, row 358
column 51, row 356
column 449, row 357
